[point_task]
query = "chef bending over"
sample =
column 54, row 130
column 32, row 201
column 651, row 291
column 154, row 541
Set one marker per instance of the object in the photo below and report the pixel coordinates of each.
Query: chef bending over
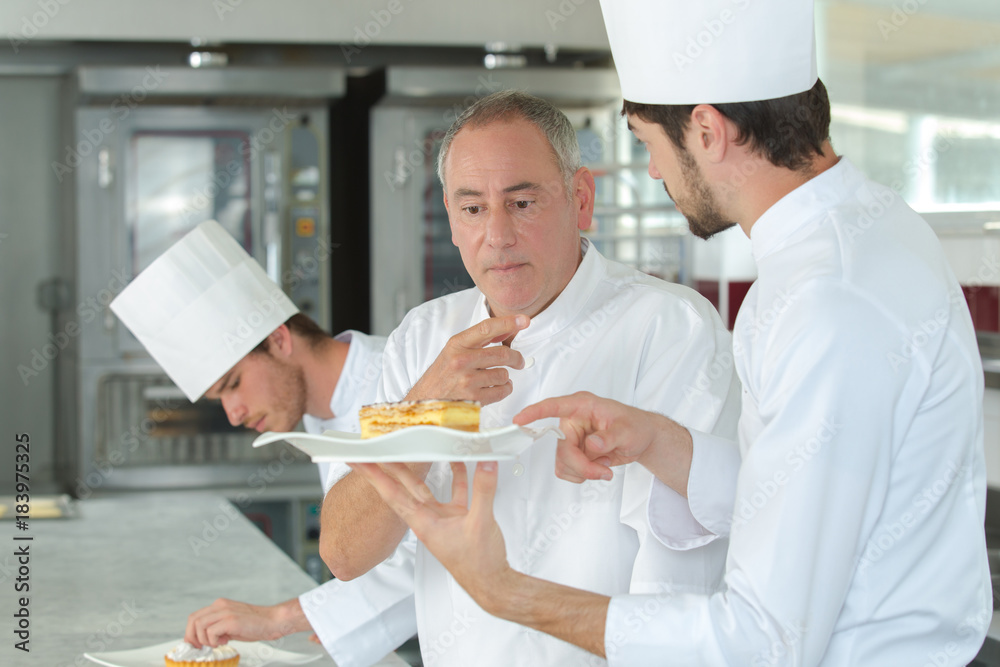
column 221, row 329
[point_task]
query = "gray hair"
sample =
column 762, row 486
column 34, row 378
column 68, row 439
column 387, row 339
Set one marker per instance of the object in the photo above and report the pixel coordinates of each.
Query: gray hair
column 512, row 105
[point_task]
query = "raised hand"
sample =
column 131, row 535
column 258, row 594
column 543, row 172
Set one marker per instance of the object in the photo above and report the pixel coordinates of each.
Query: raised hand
column 471, row 366
column 462, row 535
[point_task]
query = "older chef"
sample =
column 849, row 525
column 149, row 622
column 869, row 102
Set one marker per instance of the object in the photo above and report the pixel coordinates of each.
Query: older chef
column 517, row 199
column 220, row 328
column 856, row 521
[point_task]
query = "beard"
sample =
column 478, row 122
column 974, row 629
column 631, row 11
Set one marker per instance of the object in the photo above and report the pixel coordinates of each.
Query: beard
column 287, row 396
column 698, row 206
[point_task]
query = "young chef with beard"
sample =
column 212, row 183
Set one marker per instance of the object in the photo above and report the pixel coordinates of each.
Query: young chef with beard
column 517, row 199
column 856, row 519
column 221, row 329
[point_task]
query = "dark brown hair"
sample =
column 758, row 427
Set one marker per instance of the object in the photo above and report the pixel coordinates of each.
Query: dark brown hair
column 788, row 131
column 301, row 325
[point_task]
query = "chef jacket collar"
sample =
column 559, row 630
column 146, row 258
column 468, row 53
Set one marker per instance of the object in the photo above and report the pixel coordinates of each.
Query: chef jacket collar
column 802, row 205
column 342, row 401
column 563, row 310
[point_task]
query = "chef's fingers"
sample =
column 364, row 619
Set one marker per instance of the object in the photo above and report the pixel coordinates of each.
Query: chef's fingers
column 197, row 619
column 491, row 330
column 314, row 638
column 573, row 464
column 575, row 406
column 484, row 488
column 494, row 393
column 459, row 484
column 496, row 356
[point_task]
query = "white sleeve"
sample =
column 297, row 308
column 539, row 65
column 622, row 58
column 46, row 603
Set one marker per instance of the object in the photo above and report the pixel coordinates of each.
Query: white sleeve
column 825, row 398
column 360, row 621
column 694, row 383
column 707, row 512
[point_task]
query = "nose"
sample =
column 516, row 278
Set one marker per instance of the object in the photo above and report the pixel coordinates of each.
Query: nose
column 500, row 228
column 235, row 410
column 654, row 173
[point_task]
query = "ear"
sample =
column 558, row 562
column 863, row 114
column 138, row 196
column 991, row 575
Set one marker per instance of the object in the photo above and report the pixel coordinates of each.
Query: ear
column 584, row 191
column 280, row 341
column 709, row 133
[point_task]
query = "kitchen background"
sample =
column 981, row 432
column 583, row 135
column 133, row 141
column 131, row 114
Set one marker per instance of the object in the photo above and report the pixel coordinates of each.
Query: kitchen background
column 121, row 126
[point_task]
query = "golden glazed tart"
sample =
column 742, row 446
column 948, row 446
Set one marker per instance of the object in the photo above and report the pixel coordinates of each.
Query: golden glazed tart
column 383, row 418
column 185, row 655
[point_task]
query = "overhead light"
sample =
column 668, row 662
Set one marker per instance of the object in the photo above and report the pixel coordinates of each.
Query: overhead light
column 208, row 59
column 504, row 60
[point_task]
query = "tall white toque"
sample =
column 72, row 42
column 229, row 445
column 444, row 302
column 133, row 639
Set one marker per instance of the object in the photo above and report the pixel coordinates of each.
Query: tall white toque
column 711, row 51
column 201, row 306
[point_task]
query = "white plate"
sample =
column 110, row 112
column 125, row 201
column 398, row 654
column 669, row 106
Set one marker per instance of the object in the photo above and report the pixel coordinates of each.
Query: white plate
column 252, row 654
column 416, row 443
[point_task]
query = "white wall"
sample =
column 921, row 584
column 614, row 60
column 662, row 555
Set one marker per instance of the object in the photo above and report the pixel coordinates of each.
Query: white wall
column 565, row 23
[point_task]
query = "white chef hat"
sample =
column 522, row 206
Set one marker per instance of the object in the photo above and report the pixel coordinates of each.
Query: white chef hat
column 711, row 51
column 201, row 306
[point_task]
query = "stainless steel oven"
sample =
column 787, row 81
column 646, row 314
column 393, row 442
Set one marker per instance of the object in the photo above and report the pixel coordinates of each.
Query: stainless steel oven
column 154, row 152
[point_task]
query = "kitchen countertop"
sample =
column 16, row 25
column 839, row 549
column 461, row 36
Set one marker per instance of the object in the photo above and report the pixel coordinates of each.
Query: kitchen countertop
column 130, row 569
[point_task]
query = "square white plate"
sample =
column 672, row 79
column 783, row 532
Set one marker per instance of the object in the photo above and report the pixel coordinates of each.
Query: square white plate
column 416, row 443
column 252, row 654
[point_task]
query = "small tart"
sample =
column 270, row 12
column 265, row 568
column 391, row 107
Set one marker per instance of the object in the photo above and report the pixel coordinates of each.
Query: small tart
column 185, row 655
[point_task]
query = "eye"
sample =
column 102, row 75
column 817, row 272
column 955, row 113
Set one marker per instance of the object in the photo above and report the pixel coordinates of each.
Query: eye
column 472, row 210
column 235, row 384
column 523, row 203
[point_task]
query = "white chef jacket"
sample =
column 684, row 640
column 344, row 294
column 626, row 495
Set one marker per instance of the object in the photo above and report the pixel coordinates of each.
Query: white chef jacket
column 361, row 620
column 857, row 519
column 617, row 333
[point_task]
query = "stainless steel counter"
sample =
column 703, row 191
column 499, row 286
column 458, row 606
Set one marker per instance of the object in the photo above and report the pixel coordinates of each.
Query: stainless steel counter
column 130, row 569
